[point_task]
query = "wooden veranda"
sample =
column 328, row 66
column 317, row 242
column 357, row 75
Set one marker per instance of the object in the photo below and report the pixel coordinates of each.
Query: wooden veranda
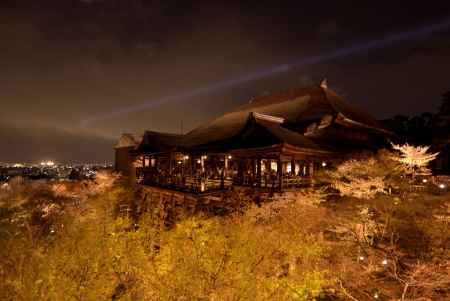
column 275, row 167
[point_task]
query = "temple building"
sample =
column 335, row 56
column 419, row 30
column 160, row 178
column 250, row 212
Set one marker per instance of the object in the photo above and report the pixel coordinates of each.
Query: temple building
column 275, row 141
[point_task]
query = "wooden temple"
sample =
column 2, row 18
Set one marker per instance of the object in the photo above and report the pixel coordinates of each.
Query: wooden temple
column 276, row 141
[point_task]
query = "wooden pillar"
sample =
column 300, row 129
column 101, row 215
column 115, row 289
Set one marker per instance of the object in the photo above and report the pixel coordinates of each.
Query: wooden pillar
column 252, row 171
column 240, row 174
column 293, row 166
column 170, row 164
column 226, row 164
column 258, row 172
column 202, row 162
column 280, row 174
column 311, row 169
column 222, row 179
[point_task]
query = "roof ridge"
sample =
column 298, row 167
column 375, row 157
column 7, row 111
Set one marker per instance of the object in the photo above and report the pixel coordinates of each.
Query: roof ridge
column 266, row 117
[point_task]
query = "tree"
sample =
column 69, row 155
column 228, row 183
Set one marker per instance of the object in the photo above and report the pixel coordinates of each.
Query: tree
column 414, row 158
column 359, row 178
column 444, row 109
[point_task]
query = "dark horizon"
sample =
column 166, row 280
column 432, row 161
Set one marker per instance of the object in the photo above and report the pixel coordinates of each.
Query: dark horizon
column 71, row 61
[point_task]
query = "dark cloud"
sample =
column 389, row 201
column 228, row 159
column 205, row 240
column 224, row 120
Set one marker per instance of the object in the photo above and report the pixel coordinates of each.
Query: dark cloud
column 65, row 61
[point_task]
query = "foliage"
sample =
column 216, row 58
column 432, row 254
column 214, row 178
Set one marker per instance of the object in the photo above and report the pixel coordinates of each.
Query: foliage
column 100, row 240
column 414, row 158
column 359, row 178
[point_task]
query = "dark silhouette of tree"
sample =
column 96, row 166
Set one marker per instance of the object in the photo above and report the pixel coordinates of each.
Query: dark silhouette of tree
column 444, row 109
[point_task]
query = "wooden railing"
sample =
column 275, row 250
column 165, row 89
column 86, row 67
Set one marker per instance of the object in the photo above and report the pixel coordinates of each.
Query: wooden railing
column 200, row 184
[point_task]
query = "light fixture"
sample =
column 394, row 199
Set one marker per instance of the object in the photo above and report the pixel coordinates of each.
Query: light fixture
column 229, row 157
column 199, row 161
column 324, row 163
column 424, row 180
column 384, row 262
column 441, row 186
column 186, row 157
column 361, row 258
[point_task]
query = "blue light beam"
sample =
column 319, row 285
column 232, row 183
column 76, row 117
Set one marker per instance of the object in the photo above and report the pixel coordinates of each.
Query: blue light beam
column 279, row 69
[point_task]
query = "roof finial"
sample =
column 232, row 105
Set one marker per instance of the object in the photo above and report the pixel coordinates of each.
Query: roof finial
column 324, row 84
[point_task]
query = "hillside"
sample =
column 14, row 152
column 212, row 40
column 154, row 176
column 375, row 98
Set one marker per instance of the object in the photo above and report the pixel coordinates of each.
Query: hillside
column 103, row 240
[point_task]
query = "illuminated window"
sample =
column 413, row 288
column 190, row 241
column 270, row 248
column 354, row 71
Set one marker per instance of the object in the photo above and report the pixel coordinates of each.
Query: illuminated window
column 153, row 162
column 273, row 165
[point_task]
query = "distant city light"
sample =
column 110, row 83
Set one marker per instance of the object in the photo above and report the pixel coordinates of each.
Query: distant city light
column 47, row 163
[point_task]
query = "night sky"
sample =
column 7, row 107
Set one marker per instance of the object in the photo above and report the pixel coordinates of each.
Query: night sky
column 75, row 74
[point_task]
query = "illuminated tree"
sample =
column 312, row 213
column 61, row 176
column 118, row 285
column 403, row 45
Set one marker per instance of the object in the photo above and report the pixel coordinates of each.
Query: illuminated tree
column 414, row 158
column 359, row 178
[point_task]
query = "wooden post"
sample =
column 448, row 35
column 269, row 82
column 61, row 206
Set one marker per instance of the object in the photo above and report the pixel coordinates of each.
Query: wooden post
column 258, row 172
column 293, row 166
column 311, row 169
column 253, row 173
column 222, row 179
column 240, row 174
column 280, row 174
column 170, row 164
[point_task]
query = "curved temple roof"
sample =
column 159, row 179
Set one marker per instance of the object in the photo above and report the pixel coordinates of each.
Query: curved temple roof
column 271, row 113
column 297, row 105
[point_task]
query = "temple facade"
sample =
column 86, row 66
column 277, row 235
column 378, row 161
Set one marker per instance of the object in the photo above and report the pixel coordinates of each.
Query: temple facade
column 276, row 141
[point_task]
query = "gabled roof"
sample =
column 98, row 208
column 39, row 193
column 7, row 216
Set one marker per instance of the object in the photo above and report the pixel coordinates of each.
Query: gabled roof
column 307, row 103
column 298, row 105
column 285, row 135
column 157, row 141
column 129, row 140
column 256, row 130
